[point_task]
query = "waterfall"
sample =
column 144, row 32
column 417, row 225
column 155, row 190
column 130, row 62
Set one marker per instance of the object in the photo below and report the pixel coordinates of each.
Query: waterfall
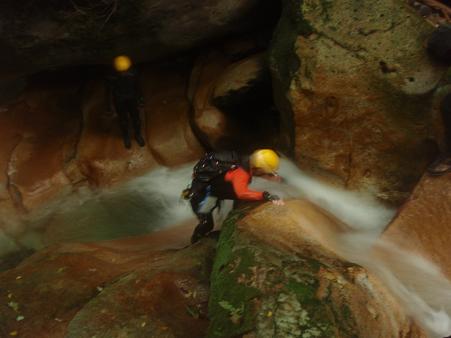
column 417, row 283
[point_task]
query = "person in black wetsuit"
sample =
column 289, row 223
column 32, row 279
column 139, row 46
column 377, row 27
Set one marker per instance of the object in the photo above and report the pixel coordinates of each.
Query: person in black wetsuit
column 124, row 95
column 226, row 176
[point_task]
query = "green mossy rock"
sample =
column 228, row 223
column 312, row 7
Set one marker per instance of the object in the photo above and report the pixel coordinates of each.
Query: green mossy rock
column 272, row 278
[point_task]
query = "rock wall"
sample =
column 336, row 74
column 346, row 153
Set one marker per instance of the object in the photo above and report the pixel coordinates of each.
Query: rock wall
column 355, row 80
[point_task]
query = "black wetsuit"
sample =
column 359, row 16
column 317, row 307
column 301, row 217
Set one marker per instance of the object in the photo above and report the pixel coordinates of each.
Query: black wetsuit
column 126, row 94
column 232, row 184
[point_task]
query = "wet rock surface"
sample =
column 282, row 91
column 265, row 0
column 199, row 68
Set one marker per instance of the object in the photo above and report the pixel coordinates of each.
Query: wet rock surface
column 110, row 288
column 355, row 79
column 423, row 223
column 275, row 275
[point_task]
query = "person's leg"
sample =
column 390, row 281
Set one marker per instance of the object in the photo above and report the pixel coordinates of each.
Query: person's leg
column 206, row 222
column 205, row 225
column 122, row 113
column 136, row 121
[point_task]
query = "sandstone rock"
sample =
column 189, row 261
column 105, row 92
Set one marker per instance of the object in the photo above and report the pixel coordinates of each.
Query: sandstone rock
column 360, row 102
column 233, row 102
column 208, row 122
column 47, row 36
column 101, row 155
column 276, row 271
column 169, row 135
column 239, row 75
column 41, row 131
column 423, row 223
column 80, row 290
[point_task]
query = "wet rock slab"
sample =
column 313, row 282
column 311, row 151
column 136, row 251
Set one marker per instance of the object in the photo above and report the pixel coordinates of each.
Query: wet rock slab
column 111, row 290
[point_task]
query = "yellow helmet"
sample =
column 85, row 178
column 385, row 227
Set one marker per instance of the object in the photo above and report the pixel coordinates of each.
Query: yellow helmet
column 265, row 160
column 122, row 63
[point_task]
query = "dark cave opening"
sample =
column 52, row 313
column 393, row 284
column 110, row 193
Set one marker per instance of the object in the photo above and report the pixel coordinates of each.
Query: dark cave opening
column 251, row 111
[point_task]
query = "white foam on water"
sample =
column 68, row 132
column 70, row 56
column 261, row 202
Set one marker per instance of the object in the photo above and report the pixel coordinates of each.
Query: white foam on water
column 359, row 210
column 417, row 283
column 142, row 205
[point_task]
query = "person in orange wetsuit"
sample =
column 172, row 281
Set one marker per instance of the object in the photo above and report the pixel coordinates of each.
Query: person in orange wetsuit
column 225, row 176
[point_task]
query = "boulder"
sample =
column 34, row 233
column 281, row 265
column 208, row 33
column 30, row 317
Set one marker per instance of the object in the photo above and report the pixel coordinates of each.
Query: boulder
column 277, row 270
column 232, row 102
column 422, row 224
column 82, row 290
column 354, row 85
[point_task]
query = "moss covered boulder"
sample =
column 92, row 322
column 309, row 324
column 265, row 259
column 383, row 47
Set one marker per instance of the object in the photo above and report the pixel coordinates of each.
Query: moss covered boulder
column 274, row 276
column 355, row 88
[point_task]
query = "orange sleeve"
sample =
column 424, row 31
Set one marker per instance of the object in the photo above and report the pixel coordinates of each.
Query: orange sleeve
column 240, row 181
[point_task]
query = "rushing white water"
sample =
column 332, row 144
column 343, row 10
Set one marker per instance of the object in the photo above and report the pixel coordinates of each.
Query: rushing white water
column 417, row 283
column 142, row 205
column 359, row 210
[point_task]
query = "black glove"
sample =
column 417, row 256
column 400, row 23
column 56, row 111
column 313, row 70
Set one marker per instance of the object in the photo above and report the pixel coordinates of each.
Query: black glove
column 269, row 197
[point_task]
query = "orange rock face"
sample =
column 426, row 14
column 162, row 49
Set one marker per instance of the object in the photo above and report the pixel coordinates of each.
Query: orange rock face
column 39, row 135
column 424, row 222
column 169, row 135
column 81, row 290
column 361, row 103
column 101, row 156
column 209, row 122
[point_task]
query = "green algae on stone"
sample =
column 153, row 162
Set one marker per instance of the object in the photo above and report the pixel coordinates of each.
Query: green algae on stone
column 230, row 311
column 256, row 288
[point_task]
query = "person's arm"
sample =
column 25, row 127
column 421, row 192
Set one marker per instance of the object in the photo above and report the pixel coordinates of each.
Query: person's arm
column 240, row 182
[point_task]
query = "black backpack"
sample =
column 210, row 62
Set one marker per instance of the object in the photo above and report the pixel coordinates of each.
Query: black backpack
column 209, row 167
column 214, row 164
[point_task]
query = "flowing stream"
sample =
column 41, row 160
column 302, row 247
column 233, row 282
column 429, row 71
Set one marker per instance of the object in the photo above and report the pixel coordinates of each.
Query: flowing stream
column 417, row 283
